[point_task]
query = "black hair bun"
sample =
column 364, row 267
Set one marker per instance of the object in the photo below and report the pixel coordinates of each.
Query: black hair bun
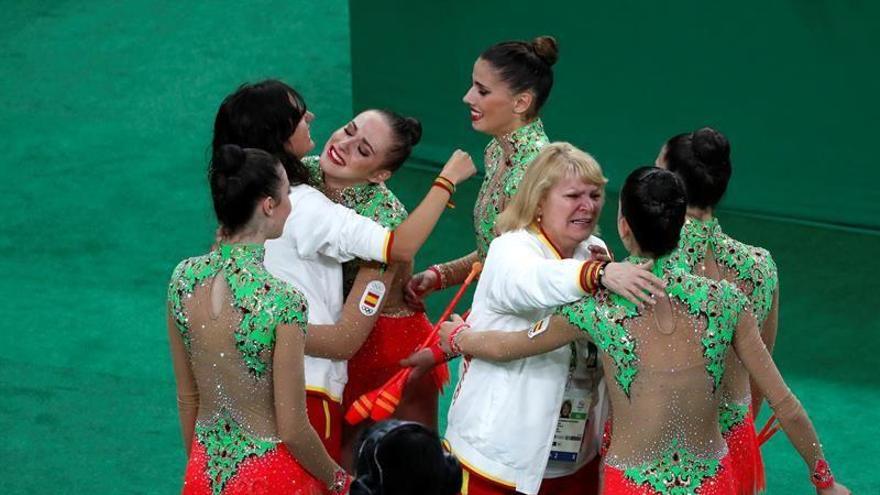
column 412, row 129
column 546, row 48
column 710, row 146
column 228, row 160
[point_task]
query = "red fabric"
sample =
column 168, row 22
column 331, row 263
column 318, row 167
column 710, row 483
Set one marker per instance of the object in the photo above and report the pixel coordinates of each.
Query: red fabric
column 392, row 340
column 318, row 417
column 275, row 472
column 723, row 483
column 745, row 454
column 474, row 484
column 583, row 482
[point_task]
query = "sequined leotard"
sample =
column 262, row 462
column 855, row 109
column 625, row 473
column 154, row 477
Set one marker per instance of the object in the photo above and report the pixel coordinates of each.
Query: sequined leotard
column 506, row 160
column 704, row 249
column 227, row 309
column 669, row 380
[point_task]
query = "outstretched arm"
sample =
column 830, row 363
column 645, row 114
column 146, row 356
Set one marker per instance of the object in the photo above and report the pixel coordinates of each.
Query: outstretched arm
column 500, row 346
column 362, row 308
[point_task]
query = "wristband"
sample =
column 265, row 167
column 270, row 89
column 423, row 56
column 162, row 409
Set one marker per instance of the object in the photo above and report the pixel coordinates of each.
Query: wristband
column 601, row 273
column 439, row 283
column 821, row 476
column 446, row 185
column 341, row 483
column 453, row 345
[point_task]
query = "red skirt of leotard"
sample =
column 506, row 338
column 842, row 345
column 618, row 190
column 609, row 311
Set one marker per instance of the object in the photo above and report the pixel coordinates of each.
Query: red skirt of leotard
column 745, row 453
column 723, row 483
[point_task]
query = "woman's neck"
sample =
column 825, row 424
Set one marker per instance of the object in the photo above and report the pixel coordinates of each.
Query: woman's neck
column 700, row 213
column 247, row 235
column 565, row 249
column 514, row 126
column 334, row 184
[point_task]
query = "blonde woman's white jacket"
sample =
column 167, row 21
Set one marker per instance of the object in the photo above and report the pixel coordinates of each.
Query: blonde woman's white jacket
column 503, row 416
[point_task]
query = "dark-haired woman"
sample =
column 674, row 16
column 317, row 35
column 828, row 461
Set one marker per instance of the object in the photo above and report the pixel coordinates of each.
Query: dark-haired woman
column 351, row 170
column 511, row 81
column 237, row 336
column 669, row 361
column 404, row 458
column 319, row 235
column 702, row 160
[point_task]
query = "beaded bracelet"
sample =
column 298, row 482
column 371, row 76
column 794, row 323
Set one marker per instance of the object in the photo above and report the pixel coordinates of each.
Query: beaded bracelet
column 439, row 354
column 821, row 475
column 453, row 344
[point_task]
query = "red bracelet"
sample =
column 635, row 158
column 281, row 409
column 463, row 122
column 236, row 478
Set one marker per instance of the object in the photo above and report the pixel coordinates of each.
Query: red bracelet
column 453, row 345
column 341, row 483
column 821, row 475
column 439, row 284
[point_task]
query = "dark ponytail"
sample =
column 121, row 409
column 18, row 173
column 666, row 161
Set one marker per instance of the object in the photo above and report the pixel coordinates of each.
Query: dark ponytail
column 526, row 66
column 407, row 132
column 654, row 203
column 240, row 178
column 263, row 115
column 702, row 160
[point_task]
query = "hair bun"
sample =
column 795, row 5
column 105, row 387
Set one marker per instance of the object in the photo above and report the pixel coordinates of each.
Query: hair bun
column 710, row 146
column 228, row 159
column 413, row 130
column 546, row 48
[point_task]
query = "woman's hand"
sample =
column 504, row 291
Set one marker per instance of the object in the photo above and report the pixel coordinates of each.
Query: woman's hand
column 447, row 328
column 598, row 253
column 634, row 282
column 418, row 287
column 421, row 361
column 459, row 168
column 835, row 489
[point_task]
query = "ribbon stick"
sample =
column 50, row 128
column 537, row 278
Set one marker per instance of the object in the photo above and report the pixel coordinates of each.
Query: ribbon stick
column 770, row 428
column 381, row 402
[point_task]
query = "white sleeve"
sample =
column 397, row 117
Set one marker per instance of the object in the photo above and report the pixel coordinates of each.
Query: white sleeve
column 318, row 225
column 524, row 280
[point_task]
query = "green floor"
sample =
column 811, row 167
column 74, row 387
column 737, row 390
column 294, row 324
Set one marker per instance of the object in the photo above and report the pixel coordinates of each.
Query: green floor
column 105, row 124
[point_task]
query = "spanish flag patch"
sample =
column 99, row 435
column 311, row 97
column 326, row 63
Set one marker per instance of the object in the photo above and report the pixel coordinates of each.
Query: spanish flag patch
column 372, row 297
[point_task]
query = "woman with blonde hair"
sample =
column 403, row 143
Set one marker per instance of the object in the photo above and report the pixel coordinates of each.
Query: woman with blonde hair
column 504, row 416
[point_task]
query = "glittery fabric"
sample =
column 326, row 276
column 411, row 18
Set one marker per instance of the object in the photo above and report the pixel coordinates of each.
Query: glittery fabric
column 618, row 482
column 226, row 447
column 745, row 455
column 676, row 472
column 667, row 378
column 754, row 271
column 262, row 300
column 503, row 175
column 226, row 308
column 732, row 414
column 274, row 473
column 604, row 317
column 378, row 359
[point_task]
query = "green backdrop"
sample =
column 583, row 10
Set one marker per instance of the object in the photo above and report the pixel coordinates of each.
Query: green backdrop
column 104, row 129
column 792, row 84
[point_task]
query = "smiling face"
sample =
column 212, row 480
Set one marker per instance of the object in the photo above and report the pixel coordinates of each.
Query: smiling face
column 570, row 211
column 357, row 151
column 495, row 110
